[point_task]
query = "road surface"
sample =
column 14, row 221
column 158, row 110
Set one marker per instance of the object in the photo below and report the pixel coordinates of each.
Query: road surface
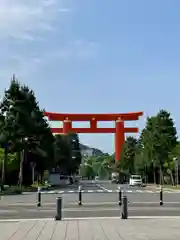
column 98, row 200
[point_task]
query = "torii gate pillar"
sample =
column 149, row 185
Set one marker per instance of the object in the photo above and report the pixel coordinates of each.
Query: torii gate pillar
column 67, row 125
column 119, row 138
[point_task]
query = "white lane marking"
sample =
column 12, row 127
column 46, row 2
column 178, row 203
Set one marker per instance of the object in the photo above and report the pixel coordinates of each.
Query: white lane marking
column 154, row 202
column 90, row 203
column 7, row 211
column 103, row 188
column 100, row 191
column 26, row 204
column 95, row 203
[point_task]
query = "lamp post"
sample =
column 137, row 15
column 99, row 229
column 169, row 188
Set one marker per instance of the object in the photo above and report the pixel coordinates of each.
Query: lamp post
column 23, row 142
column 176, row 168
column 154, row 171
column 33, row 165
column 73, row 177
column 4, row 163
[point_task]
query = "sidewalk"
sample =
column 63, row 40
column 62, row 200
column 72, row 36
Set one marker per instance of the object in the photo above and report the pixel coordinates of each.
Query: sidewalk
column 91, row 229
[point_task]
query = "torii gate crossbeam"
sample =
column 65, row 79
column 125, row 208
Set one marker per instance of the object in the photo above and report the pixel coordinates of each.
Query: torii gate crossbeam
column 119, row 130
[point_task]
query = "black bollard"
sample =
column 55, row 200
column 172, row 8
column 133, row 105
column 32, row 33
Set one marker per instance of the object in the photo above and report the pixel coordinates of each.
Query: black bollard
column 39, row 198
column 124, row 211
column 58, row 216
column 119, row 196
column 80, row 196
column 161, row 197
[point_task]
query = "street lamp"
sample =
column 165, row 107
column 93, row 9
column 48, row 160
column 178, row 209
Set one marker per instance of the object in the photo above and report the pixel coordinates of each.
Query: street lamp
column 23, row 141
column 176, row 168
column 33, row 165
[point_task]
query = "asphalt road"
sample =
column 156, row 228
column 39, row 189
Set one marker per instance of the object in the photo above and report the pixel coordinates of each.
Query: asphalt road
column 94, row 204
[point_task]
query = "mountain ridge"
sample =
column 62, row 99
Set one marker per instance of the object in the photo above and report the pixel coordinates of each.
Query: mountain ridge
column 96, row 151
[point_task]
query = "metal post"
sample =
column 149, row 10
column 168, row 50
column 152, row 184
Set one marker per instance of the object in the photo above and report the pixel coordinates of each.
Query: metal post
column 80, row 196
column 58, row 216
column 161, row 196
column 124, row 212
column 119, row 196
column 176, row 172
column 33, row 174
column 39, row 197
column 177, row 175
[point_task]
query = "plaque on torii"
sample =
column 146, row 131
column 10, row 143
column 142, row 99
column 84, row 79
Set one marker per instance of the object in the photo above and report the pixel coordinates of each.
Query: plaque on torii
column 119, row 130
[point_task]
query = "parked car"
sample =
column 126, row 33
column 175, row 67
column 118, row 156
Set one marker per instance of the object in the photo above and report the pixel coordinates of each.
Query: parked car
column 135, row 180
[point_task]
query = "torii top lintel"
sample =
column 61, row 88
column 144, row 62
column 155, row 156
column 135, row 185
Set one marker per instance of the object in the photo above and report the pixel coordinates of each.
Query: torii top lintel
column 89, row 116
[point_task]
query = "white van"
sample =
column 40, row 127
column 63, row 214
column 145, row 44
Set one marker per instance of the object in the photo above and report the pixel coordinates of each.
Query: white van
column 135, row 180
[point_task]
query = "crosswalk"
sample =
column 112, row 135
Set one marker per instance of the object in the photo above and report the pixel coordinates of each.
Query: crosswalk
column 108, row 191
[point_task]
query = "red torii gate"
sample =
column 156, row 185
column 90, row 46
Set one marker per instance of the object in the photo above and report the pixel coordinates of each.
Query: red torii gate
column 119, row 129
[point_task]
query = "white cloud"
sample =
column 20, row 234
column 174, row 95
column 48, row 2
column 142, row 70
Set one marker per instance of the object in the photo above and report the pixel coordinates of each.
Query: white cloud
column 63, row 10
column 78, row 49
column 24, row 18
column 25, row 49
column 25, row 21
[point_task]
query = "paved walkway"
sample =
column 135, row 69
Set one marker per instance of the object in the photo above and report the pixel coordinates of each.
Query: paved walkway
column 97, row 229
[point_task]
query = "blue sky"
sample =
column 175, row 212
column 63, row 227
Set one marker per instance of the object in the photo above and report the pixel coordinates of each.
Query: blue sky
column 94, row 56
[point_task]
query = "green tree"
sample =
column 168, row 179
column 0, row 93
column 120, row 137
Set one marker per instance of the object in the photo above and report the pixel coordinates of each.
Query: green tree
column 75, row 153
column 158, row 139
column 62, row 153
column 25, row 127
column 127, row 163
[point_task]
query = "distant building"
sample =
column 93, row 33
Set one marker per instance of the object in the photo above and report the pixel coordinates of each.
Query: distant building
column 88, row 152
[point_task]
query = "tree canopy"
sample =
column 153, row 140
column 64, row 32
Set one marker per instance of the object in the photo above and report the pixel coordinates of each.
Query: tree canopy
column 152, row 155
column 26, row 139
column 26, row 142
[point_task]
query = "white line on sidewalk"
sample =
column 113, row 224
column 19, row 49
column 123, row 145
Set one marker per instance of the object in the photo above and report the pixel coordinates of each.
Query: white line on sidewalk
column 92, row 218
column 154, row 217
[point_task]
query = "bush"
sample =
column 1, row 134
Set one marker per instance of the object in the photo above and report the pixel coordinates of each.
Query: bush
column 11, row 191
column 42, row 186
